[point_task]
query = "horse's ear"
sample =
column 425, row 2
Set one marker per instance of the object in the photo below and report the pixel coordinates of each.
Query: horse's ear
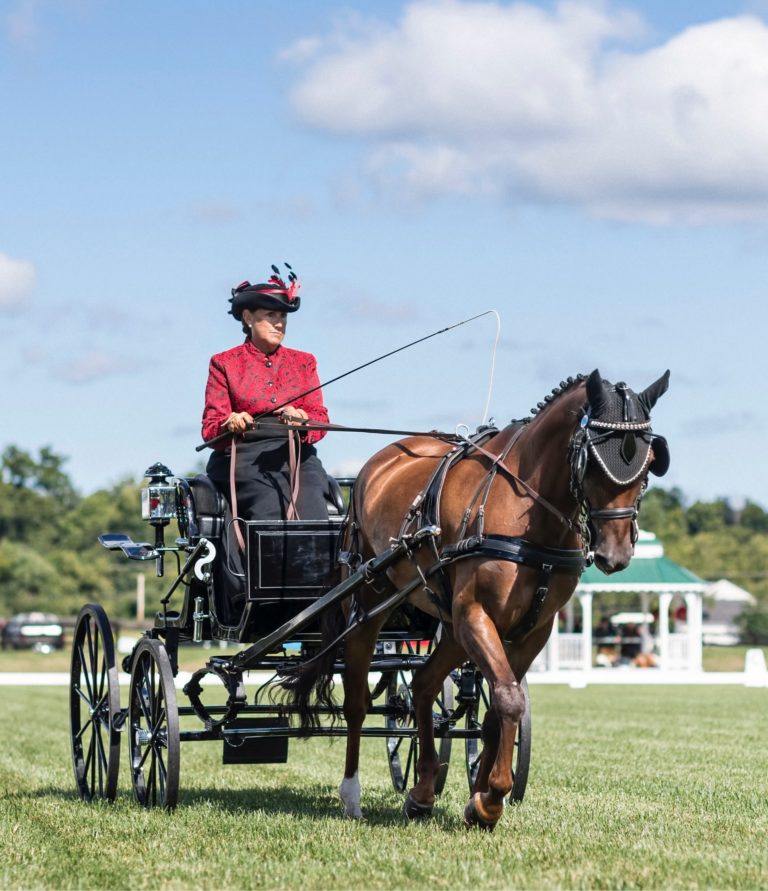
column 595, row 392
column 650, row 395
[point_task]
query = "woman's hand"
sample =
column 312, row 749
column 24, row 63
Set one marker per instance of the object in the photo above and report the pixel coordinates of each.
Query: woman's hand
column 289, row 414
column 237, row 422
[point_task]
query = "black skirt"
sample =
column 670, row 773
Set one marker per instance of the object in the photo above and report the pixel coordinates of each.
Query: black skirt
column 262, row 480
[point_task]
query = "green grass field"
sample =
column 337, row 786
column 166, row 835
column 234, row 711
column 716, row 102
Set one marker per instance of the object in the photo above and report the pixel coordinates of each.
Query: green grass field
column 192, row 657
column 630, row 787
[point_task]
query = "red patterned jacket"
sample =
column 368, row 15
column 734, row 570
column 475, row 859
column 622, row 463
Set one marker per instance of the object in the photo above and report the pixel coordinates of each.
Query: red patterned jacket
column 245, row 379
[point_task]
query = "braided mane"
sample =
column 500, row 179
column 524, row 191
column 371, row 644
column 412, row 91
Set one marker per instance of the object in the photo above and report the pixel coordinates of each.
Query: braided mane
column 564, row 387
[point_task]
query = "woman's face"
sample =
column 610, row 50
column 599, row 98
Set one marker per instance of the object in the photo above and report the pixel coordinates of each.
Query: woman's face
column 267, row 327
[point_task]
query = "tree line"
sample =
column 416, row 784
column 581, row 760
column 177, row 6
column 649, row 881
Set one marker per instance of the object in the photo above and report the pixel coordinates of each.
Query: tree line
column 50, row 559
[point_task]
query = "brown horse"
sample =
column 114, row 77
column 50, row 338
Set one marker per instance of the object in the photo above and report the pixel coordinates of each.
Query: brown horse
column 517, row 513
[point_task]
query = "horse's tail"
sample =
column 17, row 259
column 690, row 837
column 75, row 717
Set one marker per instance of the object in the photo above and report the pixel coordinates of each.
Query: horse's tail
column 310, row 684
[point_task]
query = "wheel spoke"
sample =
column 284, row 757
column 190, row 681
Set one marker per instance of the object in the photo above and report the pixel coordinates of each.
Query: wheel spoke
column 79, row 735
column 147, row 751
column 82, row 695
column 84, row 671
column 162, row 771
column 411, row 759
column 151, row 691
column 158, row 710
column 89, row 764
column 103, row 681
column 144, row 697
column 102, row 749
column 91, row 655
column 96, row 662
column 159, row 723
column 101, row 761
column 151, row 779
column 83, row 761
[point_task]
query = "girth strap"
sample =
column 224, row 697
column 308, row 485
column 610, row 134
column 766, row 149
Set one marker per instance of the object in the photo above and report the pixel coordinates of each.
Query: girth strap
column 517, row 550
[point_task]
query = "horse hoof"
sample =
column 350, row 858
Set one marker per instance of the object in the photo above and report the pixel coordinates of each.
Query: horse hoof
column 473, row 820
column 412, row 810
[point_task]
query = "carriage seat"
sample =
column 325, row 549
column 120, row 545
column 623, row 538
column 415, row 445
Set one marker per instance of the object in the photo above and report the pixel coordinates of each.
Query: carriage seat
column 333, row 497
column 210, row 505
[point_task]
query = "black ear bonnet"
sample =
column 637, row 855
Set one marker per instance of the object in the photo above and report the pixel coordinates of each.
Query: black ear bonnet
column 615, row 431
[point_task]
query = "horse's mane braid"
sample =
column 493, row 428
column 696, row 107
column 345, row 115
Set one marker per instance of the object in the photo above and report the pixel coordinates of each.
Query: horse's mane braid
column 558, row 391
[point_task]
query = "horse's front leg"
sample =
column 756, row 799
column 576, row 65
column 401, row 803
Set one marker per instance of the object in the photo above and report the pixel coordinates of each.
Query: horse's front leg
column 481, row 640
column 520, row 660
column 427, row 682
column 358, row 651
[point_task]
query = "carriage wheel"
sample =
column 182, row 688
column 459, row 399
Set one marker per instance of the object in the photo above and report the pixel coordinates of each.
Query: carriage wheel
column 403, row 751
column 153, row 717
column 94, row 706
column 521, row 759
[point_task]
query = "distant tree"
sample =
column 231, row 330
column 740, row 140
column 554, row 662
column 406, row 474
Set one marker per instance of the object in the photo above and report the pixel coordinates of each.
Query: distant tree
column 17, row 467
column 753, row 517
column 662, row 512
column 51, row 480
column 754, row 625
column 28, row 580
column 708, row 516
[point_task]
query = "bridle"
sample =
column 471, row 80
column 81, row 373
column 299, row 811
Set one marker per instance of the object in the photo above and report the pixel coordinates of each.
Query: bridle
column 589, row 434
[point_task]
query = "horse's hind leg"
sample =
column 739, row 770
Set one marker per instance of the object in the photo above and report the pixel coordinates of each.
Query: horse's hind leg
column 490, row 737
column 427, row 682
column 358, row 651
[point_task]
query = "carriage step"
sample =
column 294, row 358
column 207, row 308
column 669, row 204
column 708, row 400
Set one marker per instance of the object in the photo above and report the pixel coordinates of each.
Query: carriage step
column 240, row 748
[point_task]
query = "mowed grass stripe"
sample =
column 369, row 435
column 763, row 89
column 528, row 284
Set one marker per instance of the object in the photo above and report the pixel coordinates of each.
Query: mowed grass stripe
column 630, row 787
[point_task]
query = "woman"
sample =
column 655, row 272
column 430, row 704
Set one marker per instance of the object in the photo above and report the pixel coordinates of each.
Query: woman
column 257, row 377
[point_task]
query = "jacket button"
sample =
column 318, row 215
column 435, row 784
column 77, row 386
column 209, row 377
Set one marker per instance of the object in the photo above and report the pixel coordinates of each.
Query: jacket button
column 273, row 399
column 269, row 364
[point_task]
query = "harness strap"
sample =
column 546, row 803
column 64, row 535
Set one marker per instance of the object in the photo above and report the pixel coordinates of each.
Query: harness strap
column 426, row 505
column 531, row 618
column 498, row 462
column 517, row 550
column 233, row 494
column 294, row 475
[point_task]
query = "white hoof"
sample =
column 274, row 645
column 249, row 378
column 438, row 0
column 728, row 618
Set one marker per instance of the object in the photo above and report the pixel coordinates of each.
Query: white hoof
column 349, row 792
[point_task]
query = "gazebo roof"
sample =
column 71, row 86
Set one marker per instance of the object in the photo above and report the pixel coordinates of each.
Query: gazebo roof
column 649, row 570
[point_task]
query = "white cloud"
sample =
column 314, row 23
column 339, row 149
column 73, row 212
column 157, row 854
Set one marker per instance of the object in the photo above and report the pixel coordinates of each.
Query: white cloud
column 94, row 366
column 530, row 105
column 17, row 280
column 21, row 21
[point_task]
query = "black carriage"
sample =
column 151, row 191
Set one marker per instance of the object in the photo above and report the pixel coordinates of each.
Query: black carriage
column 271, row 602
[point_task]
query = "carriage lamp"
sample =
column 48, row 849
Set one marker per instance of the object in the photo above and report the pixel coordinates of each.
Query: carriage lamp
column 158, row 498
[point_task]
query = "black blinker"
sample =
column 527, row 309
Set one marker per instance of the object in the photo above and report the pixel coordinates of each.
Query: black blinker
column 629, row 447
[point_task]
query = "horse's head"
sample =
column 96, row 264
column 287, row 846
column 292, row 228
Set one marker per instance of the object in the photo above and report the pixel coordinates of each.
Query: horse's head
column 612, row 452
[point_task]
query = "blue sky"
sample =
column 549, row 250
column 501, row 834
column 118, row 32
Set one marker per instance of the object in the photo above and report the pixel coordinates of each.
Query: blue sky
column 596, row 172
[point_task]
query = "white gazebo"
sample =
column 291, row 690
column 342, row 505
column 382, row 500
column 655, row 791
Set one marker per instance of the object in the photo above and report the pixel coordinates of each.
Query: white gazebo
column 654, row 580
